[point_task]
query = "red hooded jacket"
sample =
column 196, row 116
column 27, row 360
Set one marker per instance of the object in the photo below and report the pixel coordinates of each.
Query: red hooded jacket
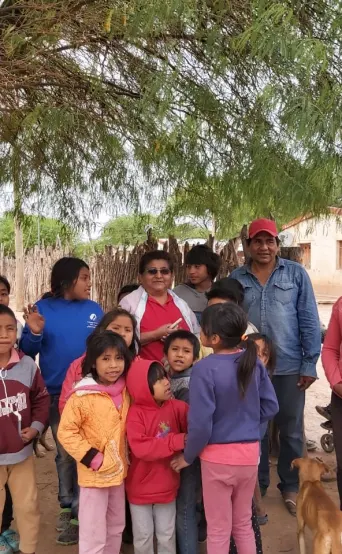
column 155, row 433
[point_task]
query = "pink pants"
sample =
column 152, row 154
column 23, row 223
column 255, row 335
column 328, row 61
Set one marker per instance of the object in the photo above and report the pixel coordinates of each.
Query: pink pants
column 227, row 493
column 102, row 520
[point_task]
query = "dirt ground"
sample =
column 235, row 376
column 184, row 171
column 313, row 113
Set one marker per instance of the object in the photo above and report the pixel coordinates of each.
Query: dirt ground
column 280, row 533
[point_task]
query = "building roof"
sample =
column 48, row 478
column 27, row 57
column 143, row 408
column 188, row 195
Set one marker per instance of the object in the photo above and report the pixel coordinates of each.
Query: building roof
column 297, row 220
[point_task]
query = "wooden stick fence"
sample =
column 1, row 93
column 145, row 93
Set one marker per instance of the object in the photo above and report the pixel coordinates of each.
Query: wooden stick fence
column 110, row 270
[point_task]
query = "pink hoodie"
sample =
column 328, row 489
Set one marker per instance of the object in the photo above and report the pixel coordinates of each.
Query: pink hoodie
column 73, row 376
column 332, row 347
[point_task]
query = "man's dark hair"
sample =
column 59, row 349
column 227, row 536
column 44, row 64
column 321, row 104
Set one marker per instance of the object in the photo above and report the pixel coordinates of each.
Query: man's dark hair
column 183, row 334
column 227, row 289
column 127, row 289
column 5, row 282
column 154, row 255
column 5, row 310
column 201, row 254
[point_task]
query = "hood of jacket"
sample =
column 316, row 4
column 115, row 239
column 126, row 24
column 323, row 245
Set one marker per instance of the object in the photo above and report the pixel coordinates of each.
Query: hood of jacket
column 88, row 385
column 137, row 384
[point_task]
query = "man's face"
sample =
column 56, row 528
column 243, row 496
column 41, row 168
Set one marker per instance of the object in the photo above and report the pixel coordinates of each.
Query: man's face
column 197, row 274
column 263, row 248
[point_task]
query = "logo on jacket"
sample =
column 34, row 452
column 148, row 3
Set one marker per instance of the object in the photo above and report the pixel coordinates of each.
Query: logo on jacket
column 13, row 404
column 163, row 430
column 92, row 321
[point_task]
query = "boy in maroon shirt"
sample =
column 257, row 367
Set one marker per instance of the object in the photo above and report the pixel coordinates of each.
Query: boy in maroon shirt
column 24, row 410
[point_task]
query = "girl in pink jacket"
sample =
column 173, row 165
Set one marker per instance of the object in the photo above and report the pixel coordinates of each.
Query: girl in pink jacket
column 332, row 363
column 119, row 321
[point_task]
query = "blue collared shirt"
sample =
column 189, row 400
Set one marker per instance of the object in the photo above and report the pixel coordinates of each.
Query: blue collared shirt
column 285, row 310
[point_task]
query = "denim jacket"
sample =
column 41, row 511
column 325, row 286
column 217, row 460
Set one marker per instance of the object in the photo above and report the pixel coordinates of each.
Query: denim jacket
column 285, row 310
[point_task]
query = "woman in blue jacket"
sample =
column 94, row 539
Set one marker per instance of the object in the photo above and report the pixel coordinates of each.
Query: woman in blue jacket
column 57, row 327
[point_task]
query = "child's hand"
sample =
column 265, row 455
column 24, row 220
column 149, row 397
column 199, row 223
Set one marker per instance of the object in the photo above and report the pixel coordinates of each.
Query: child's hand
column 34, row 319
column 179, row 463
column 28, row 434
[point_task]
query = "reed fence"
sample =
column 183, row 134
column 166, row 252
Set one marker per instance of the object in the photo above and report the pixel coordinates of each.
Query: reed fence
column 113, row 268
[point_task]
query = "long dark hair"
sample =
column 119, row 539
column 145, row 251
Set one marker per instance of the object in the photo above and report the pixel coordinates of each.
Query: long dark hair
column 97, row 344
column 269, row 344
column 156, row 372
column 134, row 347
column 63, row 275
column 229, row 322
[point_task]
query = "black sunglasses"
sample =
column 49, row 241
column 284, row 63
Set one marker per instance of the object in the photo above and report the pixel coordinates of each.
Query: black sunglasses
column 155, row 271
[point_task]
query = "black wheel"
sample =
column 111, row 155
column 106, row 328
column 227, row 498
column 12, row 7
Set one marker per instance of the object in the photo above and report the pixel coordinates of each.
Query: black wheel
column 327, row 443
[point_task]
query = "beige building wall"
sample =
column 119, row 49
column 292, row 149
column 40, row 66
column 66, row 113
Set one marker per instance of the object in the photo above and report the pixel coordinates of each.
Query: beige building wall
column 321, row 241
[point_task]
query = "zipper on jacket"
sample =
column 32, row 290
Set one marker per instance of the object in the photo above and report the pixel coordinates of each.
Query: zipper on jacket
column 3, row 375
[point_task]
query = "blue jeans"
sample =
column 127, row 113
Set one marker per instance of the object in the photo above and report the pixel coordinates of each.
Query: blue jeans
column 289, row 420
column 186, row 515
column 68, row 491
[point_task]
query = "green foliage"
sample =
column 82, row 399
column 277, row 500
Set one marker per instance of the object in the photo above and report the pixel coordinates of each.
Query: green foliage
column 129, row 230
column 51, row 231
column 240, row 97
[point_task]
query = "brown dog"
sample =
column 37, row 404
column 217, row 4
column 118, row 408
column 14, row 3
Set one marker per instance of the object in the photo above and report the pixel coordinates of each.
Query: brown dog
column 316, row 509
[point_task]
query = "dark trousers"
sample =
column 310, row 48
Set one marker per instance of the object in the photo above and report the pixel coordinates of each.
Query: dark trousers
column 186, row 515
column 68, row 491
column 7, row 514
column 290, row 420
column 257, row 534
column 336, row 416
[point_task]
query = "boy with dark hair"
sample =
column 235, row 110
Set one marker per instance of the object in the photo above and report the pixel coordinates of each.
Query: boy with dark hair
column 127, row 289
column 182, row 349
column 229, row 290
column 24, row 407
column 226, row 289
column 5, row 291
column 9, row 539
column 202, row 267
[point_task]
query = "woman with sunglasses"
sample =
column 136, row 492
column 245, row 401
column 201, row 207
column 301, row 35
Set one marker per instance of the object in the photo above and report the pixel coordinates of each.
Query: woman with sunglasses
column 158, row 310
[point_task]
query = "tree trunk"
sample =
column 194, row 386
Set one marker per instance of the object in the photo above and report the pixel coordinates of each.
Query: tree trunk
column 19, row 239
column 19, row 266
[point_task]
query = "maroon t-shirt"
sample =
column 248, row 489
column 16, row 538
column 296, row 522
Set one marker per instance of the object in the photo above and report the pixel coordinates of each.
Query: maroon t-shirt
column 155, row 316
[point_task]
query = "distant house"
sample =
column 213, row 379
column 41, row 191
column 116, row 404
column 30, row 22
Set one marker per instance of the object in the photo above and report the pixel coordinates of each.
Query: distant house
column 321, row 243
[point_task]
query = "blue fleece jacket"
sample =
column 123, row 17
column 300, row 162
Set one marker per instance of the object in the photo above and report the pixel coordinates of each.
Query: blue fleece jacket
column 218, row 414
column 68, row 323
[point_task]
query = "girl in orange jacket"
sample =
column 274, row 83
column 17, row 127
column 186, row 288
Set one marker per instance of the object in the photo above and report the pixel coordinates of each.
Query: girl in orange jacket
column 119, row 321
column 93, row 431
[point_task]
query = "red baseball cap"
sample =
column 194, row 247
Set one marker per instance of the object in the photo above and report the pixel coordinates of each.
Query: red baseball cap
column 262, row 225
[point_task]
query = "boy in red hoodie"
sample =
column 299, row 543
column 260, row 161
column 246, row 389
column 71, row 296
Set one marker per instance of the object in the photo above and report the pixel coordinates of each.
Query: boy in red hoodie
column 156, row 427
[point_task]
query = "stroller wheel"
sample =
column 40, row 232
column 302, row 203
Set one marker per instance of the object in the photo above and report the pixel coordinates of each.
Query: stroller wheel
column 327, row 443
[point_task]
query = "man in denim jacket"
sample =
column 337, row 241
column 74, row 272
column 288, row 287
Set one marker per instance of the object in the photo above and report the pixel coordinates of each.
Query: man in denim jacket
column 280, row 302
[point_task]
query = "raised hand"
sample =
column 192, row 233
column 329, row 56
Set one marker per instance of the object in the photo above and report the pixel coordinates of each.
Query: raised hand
column 34, row 319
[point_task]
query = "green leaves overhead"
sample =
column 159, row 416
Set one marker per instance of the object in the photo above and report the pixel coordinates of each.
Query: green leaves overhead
column 102, row 101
